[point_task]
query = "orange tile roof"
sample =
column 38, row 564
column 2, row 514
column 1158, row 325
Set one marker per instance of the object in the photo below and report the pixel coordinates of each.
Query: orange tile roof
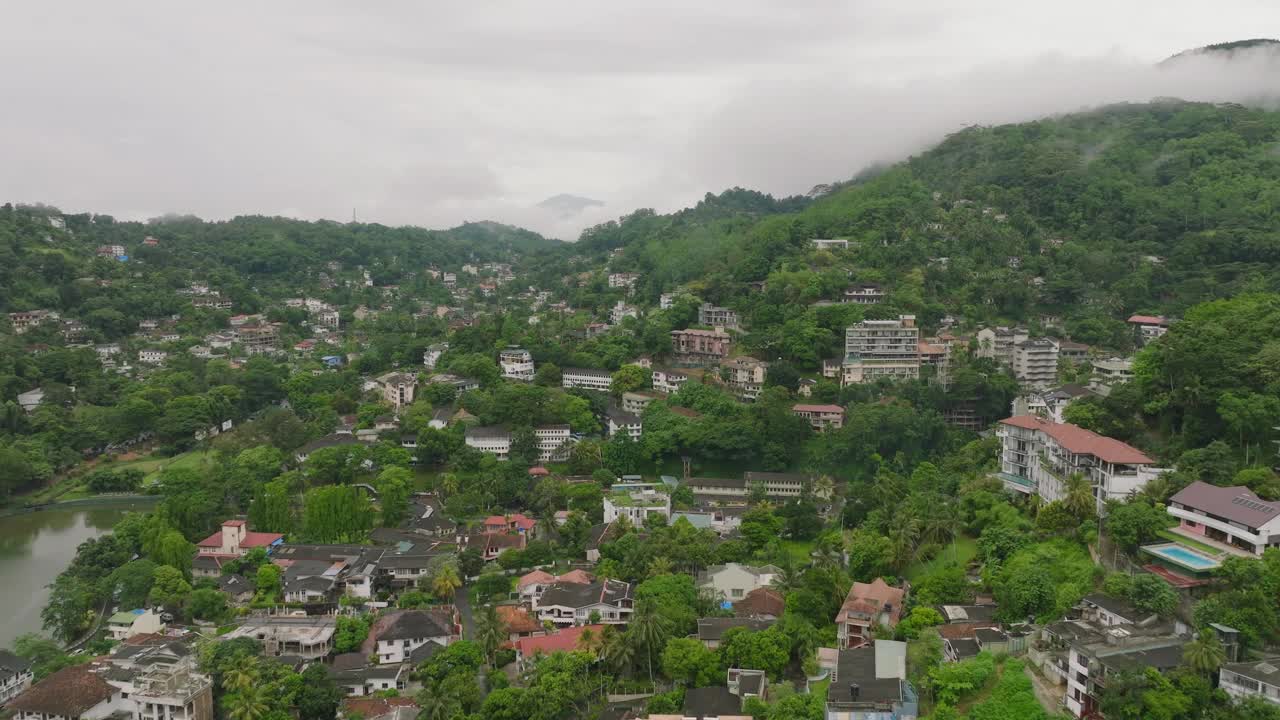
column 1082, row 442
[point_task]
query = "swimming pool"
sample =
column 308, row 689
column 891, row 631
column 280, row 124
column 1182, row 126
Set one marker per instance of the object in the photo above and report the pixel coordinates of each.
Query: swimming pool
column 1183, row 556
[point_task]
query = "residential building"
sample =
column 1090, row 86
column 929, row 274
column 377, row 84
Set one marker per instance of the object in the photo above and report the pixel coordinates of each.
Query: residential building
column 866, row 607
column 492, row 439
column 635, row 402
column 1233, row 516
column 1049, row 404
column 15, row 676
column 621, row 421
column 152, row 357
column 745, row 375
column 636, row 505
column 733, row 581
column 113, row 251
column 712, row 630
column 563, row 640
column 1088, row 651
column 876, row 349
column 431, row 356
column 1243, row 680
column 397, row 389
column 863, row 294
column 623, row 280
column 125, row 624
column 531, row 585
column 586, row 379
column 554, row 442
column 31, row 399
column 870, row 683
column 1147, row 328
column 359, row 678
column 700, row 347
column 763, row 602
column 668, row 381
column 1072, row 351
column 718, row 317
column 24, row 321
column 820, row 417
column 396, row 638
column 1109, row 372
column 332, row 440
column 236, row 540
column 1038, row 456
column 621, row 311
column 574, row 603
column 310, row 637
column 516, row 363
column 776, row 485
column 1035, row 362
column 77, row 692
column 830, row 243
column 666, row 301
column 999, row 343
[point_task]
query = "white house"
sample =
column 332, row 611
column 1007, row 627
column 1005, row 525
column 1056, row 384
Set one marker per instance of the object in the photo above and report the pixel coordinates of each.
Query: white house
column 621, row 421
column 409, row 631
column 516, row 363
column 432, row 354
column 492, row 439
column 1259, row 678
column 733, row 581
column 574, row 603
column 668, row 381
column 1233, row 516
column 152, row 357
column 126, row 624
column 636, row 505
column 15, row 676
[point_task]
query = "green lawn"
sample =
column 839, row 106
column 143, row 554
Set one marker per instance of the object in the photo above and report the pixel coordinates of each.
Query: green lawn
column 193, row 460
column 799, row 550
column 966, row 549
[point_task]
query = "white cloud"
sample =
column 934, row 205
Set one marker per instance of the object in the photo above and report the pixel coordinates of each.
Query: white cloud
column 436, row 113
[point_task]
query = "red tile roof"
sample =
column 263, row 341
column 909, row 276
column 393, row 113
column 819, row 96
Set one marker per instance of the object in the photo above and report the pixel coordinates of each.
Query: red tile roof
column 871, row 599
column 517, row 619
column 250, row 539
column 562, row 640
column 1082, row 442
column 372, row 707
column 1147, row 320
column 70, row 692
column 581, row 577
column 537, row 577
column 761, row 601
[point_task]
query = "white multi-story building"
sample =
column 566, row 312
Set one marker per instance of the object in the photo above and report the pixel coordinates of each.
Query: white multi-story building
column 621, row 311
column 492, row 439
column 876, row 349
column 517, row 364
column 431, row 356
column 820, row 417
column 863, row 294
column 397, row 388
column 586, row 379
column 554, row 442
column 1038, row 456
column 830, row 243
column 23, row 321
column 746, row 376
column 621, row 421
column 15, row 676
column 635, row 402
column 636, row 505
column 152, row 357
column 409, row 631
column 668, row 381
column 1109, row 372
column 1258, row 678
column 623, row 280
column 1035, row 362
column 715, row 316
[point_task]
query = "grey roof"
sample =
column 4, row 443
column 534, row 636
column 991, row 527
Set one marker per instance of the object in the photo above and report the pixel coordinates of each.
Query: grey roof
column 965, row 647
column 751, row 477
column 716, row 482
column 313, row 583
column 715, row 628
column 1163, row 657
column 414, row 625
column 11, row 665
column 393, row 561
column 234, row 584
column 1266, row 670
column 710, row 702
column 1236, row 503
column 750, row 684
column 488, row 431
column 327, row 441
column 986, row 636
column 1117, row 606
column 577, row 595
column 858, row 667
column 587, row 372
column 443, row 415
column 424, row 652
column 622, row 417
column 967, row 613
column 349, row 661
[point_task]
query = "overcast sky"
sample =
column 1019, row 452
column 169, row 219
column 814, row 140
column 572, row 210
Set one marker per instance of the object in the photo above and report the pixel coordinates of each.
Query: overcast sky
column 433, row 113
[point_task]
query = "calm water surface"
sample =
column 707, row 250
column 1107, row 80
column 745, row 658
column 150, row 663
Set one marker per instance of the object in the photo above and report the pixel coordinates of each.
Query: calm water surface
column 34, row 548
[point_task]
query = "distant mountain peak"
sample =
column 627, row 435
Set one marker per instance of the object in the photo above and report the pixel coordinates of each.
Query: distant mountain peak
column 565, row 205
column 1226, row 49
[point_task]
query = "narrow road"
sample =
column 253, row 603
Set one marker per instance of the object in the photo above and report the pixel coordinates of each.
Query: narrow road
column 463, row 603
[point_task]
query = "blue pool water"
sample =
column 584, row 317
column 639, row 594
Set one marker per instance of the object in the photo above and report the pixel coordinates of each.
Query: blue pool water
column 1190, row 558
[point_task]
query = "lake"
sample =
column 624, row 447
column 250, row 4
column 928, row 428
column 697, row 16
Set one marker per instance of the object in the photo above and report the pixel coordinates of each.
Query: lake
column 34, row 548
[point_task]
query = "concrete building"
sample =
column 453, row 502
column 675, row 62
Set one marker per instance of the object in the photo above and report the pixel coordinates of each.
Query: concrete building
column 636, row 401
column 15, row 676
column 999, row 343
column 1038, row 456
column 516, row 363
column 554, row 442
column 397, row 389
column 573, row 603
column 668, row 381
column 308, row 637
column 258, row 338
column 621, row 421
column 1233, row 516
column 125, row 624
column 397, row 638
column 1147, row 328
column 830, row 243
column 431, row 356
column 623, row 280
column 152, row 357
column 636, row 505
column 492, row 439
column 1035, row 362
column 863, row 294
column 24, row 321
column 715, row 316
column 1109, row 372
column 236, row 540
column 1257, row 678
column 745, row 376
column 459, row 383
column 734, row 581
column 820, row 417
column 586, row 379
column 870, row 683
column 700, row 347
column 866, row 607
column 876, row 349
column 1049, row 404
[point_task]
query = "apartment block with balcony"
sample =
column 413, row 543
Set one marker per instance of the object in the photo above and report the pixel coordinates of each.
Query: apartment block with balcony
column 715, row 316
column 820, row 417
column 999, row 343
column 586, row 379
column 881, row 349
column 516, row 364
column 700, row 347
column 745, row 375
column 1037, row 456
column 1109, row 372
column 1035, row 362
column 864, row 294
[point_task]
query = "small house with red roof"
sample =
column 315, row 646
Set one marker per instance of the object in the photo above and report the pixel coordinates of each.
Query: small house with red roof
column 518, row 622
column 235, row 539
column 532, row 585
column 1037, row 456
column 1147, row 328
column 866, row 607
column 515, row 523
column 566, row 640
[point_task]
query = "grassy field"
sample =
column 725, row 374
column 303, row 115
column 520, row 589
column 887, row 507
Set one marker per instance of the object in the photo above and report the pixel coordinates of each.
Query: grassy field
column 966, row 549
column 799, row 550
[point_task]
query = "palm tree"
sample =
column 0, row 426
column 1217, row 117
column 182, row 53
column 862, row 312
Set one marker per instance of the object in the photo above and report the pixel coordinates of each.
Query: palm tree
column 242, row 676
column 433, row 706
column 1078, row 496
column 903, row 537
column 445, row 581
column 248, row 704
column 491, row 632
column 647, row 631
column 787, row 578
column 448, row 484
column 660, row 566
column 824, row 487
column 615, row 651
column 1205, row 654
column 590, row 641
